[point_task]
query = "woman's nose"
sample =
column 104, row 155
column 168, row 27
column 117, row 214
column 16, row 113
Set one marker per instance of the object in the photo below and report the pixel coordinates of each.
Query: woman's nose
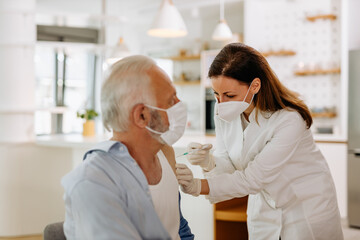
column 176, row 100
column 221, row 99
column 218, row 99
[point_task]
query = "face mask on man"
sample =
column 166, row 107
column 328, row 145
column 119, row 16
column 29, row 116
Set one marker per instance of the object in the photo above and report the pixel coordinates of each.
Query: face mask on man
column 228, row 111
column 177, row 116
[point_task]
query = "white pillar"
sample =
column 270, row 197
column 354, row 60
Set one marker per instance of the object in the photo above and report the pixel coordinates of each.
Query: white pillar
column 17, row 79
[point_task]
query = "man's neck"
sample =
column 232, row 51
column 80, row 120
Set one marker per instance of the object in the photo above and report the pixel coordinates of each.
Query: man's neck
column 143, row 148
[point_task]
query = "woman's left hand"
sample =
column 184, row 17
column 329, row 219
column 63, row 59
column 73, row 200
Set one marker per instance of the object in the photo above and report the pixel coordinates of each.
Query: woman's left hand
column 188, row 183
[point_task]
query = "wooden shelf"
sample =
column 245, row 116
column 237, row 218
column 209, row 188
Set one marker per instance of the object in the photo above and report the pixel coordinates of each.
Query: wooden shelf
column 230, row 219
column 279, row 53
column 231, row 210
column 184, row 83
column 323, row 114
column 331, row 17
column 184, row 58
column 235, row 214
column 317, row 72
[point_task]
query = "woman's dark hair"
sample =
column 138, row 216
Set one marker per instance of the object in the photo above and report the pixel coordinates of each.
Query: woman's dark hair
column 244, row 64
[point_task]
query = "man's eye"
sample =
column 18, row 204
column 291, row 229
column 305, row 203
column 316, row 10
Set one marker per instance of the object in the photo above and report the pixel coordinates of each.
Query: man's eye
column 230, row 96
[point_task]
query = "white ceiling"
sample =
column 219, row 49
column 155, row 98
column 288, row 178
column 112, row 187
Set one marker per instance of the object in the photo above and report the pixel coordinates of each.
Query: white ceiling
column 134, row 10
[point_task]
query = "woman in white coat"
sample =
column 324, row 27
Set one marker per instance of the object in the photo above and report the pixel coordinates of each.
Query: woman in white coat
column 264, row 149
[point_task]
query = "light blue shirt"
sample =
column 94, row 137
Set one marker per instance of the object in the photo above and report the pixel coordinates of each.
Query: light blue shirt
column 107, row 197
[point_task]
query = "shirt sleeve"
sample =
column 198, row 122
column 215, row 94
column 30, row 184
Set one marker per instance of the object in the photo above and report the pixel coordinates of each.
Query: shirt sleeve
column 265, row 167
column 184, row 230
column 99, row 214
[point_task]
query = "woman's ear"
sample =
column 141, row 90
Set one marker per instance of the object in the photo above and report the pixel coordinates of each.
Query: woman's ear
column 140, row 115
column 255, row 86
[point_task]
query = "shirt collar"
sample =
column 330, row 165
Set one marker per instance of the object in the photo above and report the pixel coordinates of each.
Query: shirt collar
column 261, row 115
column 252, row 116
column 105, row 146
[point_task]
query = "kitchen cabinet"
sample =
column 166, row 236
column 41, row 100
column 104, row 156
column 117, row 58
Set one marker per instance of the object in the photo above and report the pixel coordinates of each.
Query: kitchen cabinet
column 186, row 69
column 230, row 219
column 335, row 154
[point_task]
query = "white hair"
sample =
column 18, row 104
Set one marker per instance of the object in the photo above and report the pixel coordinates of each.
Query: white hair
column 127, row 85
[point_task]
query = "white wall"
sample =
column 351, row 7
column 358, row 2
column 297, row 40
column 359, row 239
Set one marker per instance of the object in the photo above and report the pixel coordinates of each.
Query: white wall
column 17, row 41
column 30, row 190
column 353, row 24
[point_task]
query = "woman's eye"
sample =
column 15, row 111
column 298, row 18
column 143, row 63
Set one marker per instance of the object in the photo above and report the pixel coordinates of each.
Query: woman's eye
column 230, row 96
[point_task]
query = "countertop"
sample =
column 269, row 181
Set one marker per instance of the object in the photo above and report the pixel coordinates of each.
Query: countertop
column 79, row 141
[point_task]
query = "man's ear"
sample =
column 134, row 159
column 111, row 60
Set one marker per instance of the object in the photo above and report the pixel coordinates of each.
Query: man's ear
column 255, row 86
column 140, row 115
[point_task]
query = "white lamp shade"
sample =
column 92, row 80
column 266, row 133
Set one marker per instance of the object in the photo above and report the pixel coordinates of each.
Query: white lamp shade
column 120, row 51
column 168, row 23
column 222, row 32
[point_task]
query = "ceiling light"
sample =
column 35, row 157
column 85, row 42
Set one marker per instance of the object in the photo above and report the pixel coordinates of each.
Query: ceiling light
column 168, row 23
column 120, row 51
column 222, row 31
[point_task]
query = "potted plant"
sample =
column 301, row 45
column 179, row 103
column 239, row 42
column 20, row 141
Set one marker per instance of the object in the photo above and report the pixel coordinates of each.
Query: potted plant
column 89, row 125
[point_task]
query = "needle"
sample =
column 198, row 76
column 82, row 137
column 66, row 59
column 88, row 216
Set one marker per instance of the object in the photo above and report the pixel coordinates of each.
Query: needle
column 183, row 154
column 205, row 146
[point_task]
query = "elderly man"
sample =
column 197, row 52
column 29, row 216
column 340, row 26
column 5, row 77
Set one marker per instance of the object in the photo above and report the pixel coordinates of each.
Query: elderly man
column 126, row 187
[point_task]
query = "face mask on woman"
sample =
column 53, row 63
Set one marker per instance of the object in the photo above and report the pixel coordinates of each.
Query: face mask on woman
column 177, row 116
column 228, row 111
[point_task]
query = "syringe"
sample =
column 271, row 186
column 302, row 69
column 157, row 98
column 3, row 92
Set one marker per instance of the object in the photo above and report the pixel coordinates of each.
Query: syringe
column 205, row 146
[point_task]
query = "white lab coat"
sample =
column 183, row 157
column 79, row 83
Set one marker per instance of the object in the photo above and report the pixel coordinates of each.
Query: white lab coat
column 276, row 162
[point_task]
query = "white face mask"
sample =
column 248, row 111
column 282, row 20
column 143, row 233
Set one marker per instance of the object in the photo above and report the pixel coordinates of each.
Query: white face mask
column 177, row 116
column 228, row 111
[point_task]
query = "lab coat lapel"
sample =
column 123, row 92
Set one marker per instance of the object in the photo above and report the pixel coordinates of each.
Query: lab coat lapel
column 255, row 137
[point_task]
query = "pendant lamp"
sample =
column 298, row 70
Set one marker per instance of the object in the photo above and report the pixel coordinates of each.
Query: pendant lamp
column 168, row 22
column 222, row 31
column 120, row 51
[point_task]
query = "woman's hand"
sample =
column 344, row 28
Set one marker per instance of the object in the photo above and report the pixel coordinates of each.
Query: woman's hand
column 199, row 154
column 188, row 183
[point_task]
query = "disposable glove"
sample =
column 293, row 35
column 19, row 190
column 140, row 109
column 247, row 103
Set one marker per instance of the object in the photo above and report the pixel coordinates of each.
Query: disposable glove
column 188, row 183
column 199, row 154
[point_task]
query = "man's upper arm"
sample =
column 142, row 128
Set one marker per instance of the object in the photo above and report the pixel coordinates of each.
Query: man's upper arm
column 100, row 214
column 170, row 155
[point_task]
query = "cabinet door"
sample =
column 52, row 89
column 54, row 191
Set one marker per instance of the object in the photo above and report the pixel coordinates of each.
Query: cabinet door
column 335, row 155
column 230, row 219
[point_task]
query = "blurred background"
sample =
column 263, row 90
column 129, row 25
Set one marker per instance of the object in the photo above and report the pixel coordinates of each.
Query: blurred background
column 55, row 54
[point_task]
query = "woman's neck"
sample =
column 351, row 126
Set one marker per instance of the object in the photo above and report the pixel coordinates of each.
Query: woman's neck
column 248, row 111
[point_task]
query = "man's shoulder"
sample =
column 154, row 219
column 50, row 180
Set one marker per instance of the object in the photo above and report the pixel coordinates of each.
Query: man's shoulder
column 87, row 171
column 98, row 167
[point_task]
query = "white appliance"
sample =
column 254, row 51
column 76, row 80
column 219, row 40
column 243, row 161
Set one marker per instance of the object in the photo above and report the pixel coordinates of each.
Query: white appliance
column 354, row 140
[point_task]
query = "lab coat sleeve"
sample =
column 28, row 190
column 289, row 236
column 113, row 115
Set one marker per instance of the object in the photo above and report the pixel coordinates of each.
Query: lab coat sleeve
column 223, row 163
column 266, row 165
column 90, row 203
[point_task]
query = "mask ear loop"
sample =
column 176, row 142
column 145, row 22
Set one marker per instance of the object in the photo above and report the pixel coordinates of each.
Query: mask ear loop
column 153, row 131
column 248, row 93
column 156, row 108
